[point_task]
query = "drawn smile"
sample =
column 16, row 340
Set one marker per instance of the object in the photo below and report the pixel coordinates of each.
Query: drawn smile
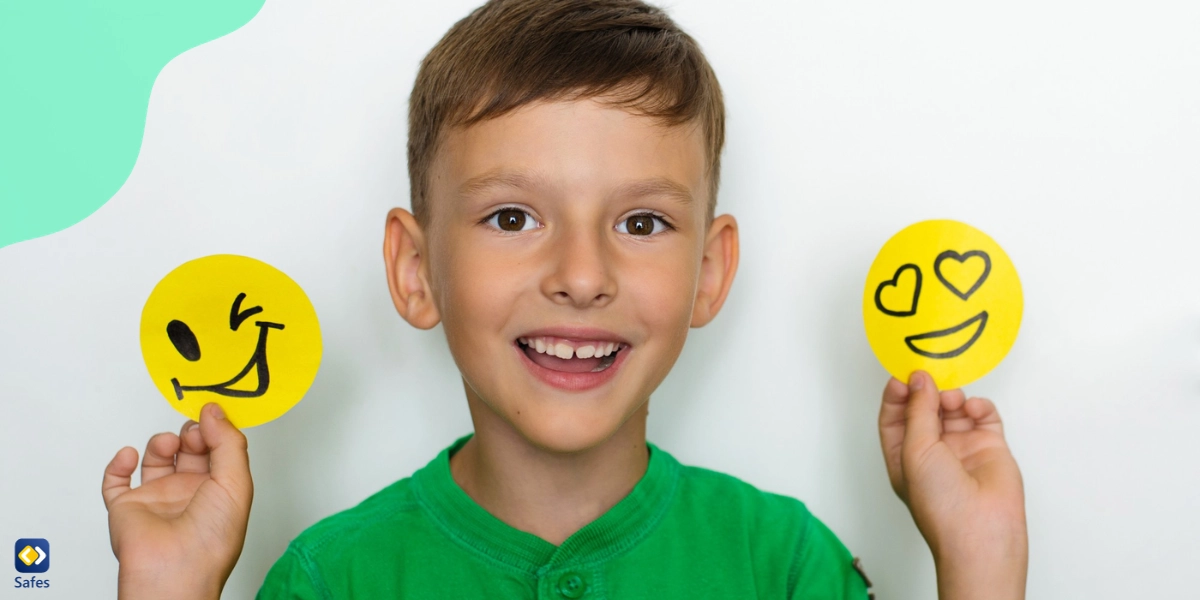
column 257, row 361
column 935, row 342
column 189, row 347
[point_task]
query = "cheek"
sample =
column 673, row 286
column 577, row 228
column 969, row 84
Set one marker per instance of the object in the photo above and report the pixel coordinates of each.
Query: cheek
column 477, row 291
column 664, row 291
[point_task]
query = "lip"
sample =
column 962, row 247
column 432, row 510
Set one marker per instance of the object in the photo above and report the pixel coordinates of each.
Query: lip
column 576, row 334
column 573, row 382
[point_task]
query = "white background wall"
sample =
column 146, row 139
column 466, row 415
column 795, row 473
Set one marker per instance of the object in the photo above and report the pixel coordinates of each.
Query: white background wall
column 1069, row 130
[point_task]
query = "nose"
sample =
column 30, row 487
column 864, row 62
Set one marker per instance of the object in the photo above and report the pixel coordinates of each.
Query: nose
column 582, row 273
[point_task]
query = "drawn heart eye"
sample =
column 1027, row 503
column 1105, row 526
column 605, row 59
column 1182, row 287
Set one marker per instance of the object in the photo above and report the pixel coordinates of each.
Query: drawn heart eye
column 959, row 274
column 184, row 340
column 893, row 285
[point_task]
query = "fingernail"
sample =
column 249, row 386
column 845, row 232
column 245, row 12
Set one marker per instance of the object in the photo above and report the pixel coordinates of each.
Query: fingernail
column 191, row 427
column 916, row 382
column 216, row 411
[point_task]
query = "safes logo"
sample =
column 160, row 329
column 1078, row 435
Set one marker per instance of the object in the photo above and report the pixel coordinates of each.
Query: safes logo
column 31, row 555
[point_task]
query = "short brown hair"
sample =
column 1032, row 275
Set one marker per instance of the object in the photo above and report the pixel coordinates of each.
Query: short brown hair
column 509, row 53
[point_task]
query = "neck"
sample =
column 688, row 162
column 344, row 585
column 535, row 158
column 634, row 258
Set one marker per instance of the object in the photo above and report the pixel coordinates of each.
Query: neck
column 548, row 494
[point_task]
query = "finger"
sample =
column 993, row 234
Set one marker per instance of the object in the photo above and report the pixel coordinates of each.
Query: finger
column 953, row 400
column 193, row 454
column 228, row 459
column 891, row 427
column 159, row 459
column 895, row 399
column 957, row 424
column 985, row 414
column 954, row 415
column 117, row 474
column 923, row 425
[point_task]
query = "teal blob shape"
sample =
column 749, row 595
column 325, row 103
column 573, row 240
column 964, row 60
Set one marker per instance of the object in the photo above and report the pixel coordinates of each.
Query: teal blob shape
column 75, row 80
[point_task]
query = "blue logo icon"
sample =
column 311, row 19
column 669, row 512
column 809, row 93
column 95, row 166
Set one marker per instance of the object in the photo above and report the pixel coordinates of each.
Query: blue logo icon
column 32, row 555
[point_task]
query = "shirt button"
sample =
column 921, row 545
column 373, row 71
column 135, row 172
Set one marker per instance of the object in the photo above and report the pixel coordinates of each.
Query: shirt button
column 571, row 585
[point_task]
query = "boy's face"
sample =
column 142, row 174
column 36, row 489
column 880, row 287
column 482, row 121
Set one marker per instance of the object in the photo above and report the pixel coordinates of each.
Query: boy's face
column 558, row 233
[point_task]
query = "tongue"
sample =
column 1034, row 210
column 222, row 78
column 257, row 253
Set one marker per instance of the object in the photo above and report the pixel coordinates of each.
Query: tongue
column 566, row 365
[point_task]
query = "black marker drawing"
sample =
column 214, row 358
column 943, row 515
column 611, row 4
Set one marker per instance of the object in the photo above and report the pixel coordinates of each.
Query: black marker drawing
column 187, row 345
column 236, row 315
column 912, row 310
column 961, row 258
column 981, row 318
column 184, row 340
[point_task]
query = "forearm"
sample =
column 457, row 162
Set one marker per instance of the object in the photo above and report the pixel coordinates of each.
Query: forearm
column 994, row 569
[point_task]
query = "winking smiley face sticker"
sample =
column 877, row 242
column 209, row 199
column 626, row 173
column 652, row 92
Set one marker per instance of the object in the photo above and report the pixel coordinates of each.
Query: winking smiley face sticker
column 231, row 330
column 942, row 297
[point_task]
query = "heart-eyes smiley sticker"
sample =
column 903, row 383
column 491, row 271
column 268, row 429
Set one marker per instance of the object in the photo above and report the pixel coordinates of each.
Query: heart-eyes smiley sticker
column 957, row 324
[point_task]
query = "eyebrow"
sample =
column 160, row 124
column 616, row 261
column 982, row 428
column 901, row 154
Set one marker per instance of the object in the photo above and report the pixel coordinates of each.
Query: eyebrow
column 657, row 186
column 500, row 179
column 654, row 186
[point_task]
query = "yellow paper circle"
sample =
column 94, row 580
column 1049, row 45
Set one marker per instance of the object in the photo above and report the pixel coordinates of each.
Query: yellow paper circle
column 231, row 330
column 942, row 297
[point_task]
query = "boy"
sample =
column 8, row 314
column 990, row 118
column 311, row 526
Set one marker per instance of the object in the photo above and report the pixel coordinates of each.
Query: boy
column 564, row 158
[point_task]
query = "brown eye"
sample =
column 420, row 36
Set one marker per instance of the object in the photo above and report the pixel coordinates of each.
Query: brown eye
column 640, row 224
column 511, row 219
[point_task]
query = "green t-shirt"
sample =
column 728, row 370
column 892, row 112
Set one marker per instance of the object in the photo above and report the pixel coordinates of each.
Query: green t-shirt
column 683, row 532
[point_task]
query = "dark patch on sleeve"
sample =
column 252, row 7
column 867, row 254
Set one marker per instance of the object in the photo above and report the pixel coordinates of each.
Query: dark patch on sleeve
column 857, row 564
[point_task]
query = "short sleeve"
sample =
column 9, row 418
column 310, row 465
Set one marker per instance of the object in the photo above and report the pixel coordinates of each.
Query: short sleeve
column 824, row 568
column 292, row 578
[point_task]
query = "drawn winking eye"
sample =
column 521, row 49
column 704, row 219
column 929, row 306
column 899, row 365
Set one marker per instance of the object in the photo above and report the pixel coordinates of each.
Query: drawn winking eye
column 236, row 316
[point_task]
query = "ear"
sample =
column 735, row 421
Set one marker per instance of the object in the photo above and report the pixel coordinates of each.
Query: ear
column 717, row 269
column 406, row 258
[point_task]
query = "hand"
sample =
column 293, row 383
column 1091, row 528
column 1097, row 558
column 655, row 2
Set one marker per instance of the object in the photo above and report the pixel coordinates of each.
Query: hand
column 179, row 534
column 948, row 461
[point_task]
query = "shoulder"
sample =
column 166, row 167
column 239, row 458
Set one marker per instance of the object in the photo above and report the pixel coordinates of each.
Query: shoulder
column 329, row 548
column 383, row 510
column 777, row 529
column 716, row 493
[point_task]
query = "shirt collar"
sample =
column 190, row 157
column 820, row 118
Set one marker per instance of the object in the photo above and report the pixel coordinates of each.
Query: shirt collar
column 614, row 532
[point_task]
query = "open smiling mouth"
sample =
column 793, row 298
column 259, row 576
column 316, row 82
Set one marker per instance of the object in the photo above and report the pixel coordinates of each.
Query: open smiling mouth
column 935, row 342
column 258, row 361
column 566, row 356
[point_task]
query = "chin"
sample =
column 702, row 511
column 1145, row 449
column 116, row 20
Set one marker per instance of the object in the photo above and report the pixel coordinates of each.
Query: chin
column 561, row 410
column 566, row 431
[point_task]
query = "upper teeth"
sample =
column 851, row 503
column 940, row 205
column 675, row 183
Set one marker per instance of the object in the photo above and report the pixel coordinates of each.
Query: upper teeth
column 569, row 349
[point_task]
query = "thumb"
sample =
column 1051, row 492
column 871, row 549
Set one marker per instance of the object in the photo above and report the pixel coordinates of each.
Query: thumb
column 923, row 424
column 229, row 462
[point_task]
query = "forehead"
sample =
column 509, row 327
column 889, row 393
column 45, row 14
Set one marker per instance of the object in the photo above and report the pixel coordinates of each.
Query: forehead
column 583, row 147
